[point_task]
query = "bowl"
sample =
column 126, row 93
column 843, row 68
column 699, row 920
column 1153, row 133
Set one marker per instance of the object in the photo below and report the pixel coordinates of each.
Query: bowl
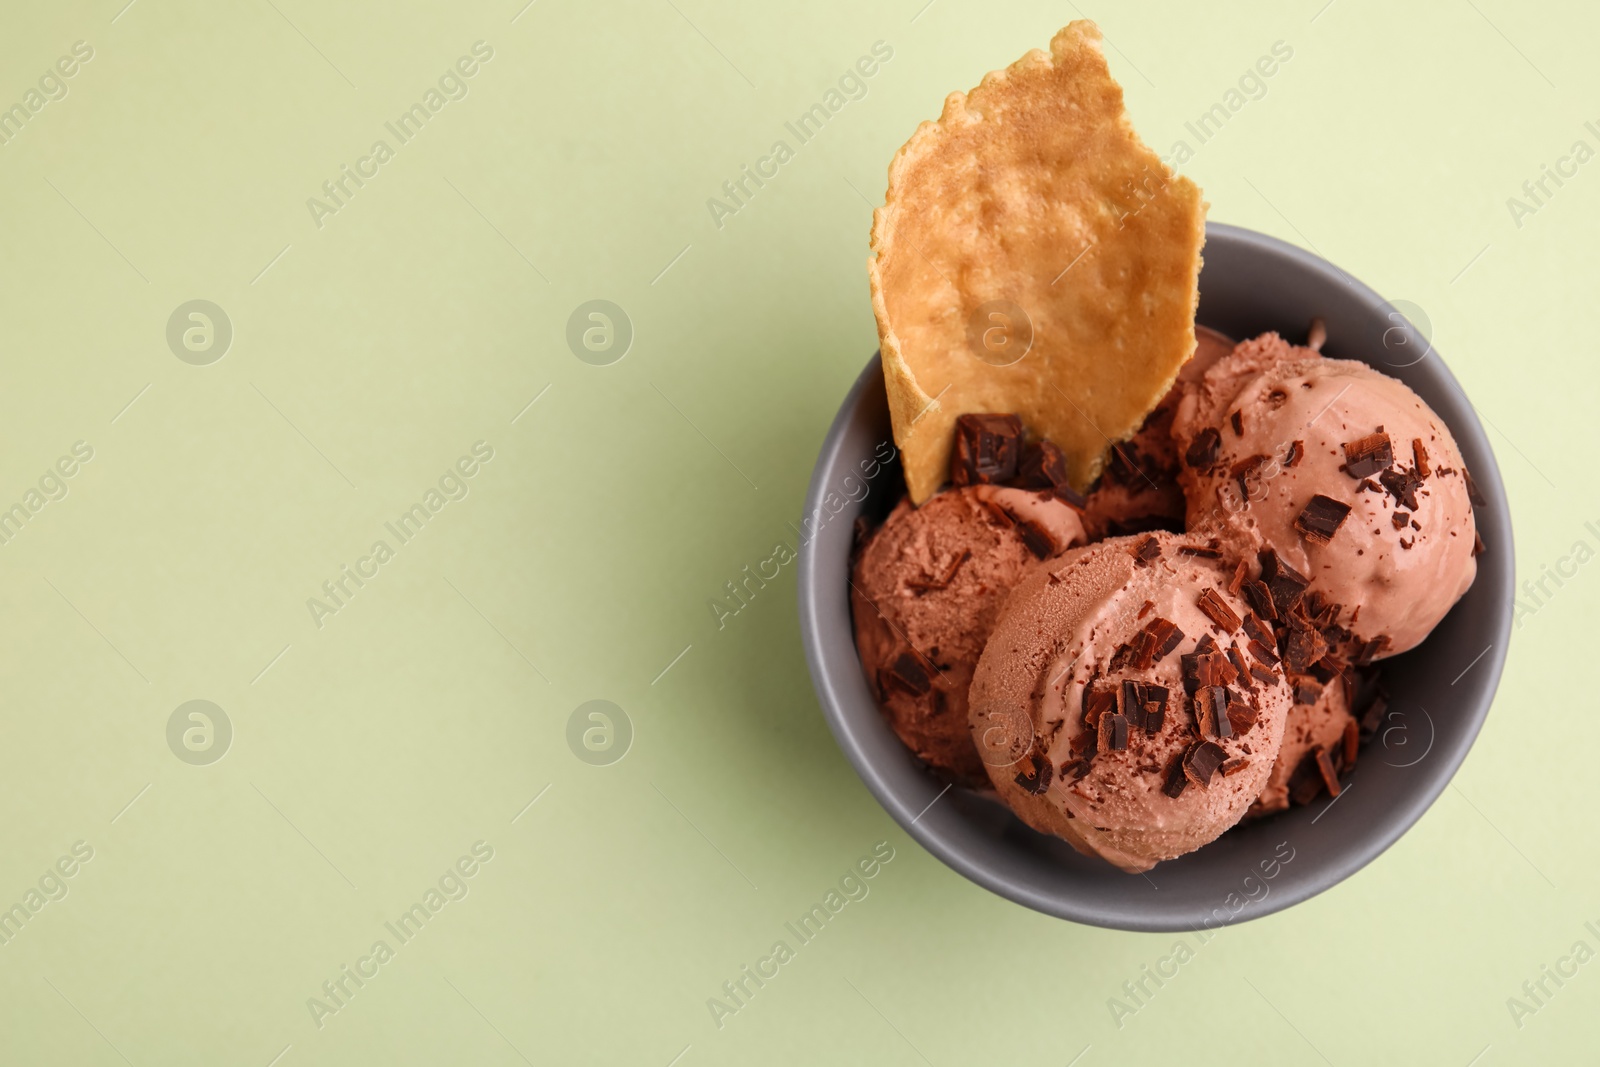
column 1440, row 691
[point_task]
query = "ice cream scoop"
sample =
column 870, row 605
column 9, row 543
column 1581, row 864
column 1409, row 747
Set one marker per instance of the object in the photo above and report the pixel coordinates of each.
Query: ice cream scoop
column 1344, row 474
column 926, row 589
column 1120, row 703
column 1139, row 489
column 1320, row 741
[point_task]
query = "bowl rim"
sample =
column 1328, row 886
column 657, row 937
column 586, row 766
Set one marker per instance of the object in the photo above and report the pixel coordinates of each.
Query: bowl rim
column 1401, row 817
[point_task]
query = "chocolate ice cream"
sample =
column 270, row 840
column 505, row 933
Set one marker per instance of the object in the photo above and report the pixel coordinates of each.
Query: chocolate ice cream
column 1123, row 702
column 925, row 592
column 1341, row 470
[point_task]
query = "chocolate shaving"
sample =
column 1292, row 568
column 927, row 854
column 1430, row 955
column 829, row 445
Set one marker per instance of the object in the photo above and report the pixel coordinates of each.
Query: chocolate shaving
column 1306, row 781
column 1177, row 779
column 907, row 675
column 1234, row 765
column 1097, row 702
column 988, row 448
column 1419, row 457
column 1372, row 649
column 1202, row 452
column 1259, row 598
column 1297, row 452
column 1257, row 630
column 1165, row 636
column 1039, row 780
column 1035, row 537
column 1216, row 609
column 1199, row 553
column 1240, row 572
column 1330, row 777
column 1148, row 551
column 1352, row 743
column 1322, row 518
column 1283, row 582
column 1241, row 668
column 1142, row 650
column 1262, row 652
column 1472, row 489
column 1237, row 419
column 927, row 585
column 1201, row 762
column 1211, row 712
column 1400, row 519
column 1042, row 466
column 1264, row 675
column 1368, row 455
column 1241, row 716
column 1477, row 544
column 1304, row 648
column 1113, row 733
column 1403, row 486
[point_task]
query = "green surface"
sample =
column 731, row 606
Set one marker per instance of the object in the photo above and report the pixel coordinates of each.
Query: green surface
column 373, row 745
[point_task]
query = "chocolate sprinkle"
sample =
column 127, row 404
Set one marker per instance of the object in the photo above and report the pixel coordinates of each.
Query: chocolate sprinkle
column 1202, row 453
column 1259, row 598
column 988, row 448
column 1201, row 762
column 1177, row 779
column 1330, row 777
column 1306, row 781
column 1113, row 733
column 1039, row 781
column 1035, row 538
column 1043, row 466
column 1262, row 651
column 1216, row 609
column 1240, row 573
column 1211, row 712
column 1368, row 455
column 1241, row 716
column 908, row 675
column 1166, row 636
column 1283, row 582
column 1322, row 518
column 1304, row 648
column 943, row 580
column 1403, row 486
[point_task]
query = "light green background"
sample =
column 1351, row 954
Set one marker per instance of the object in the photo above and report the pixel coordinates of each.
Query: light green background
column 372, row 352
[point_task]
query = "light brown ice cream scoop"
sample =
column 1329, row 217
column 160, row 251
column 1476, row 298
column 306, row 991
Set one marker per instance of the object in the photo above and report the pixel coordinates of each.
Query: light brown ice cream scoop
column 1345, row 472
column 924, row 594
column 1117, row 705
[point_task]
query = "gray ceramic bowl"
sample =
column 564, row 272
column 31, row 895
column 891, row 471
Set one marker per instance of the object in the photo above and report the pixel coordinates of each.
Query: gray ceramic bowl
column 1441, row 691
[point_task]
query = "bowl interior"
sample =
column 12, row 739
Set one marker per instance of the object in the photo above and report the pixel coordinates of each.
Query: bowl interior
column 1441, row 691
